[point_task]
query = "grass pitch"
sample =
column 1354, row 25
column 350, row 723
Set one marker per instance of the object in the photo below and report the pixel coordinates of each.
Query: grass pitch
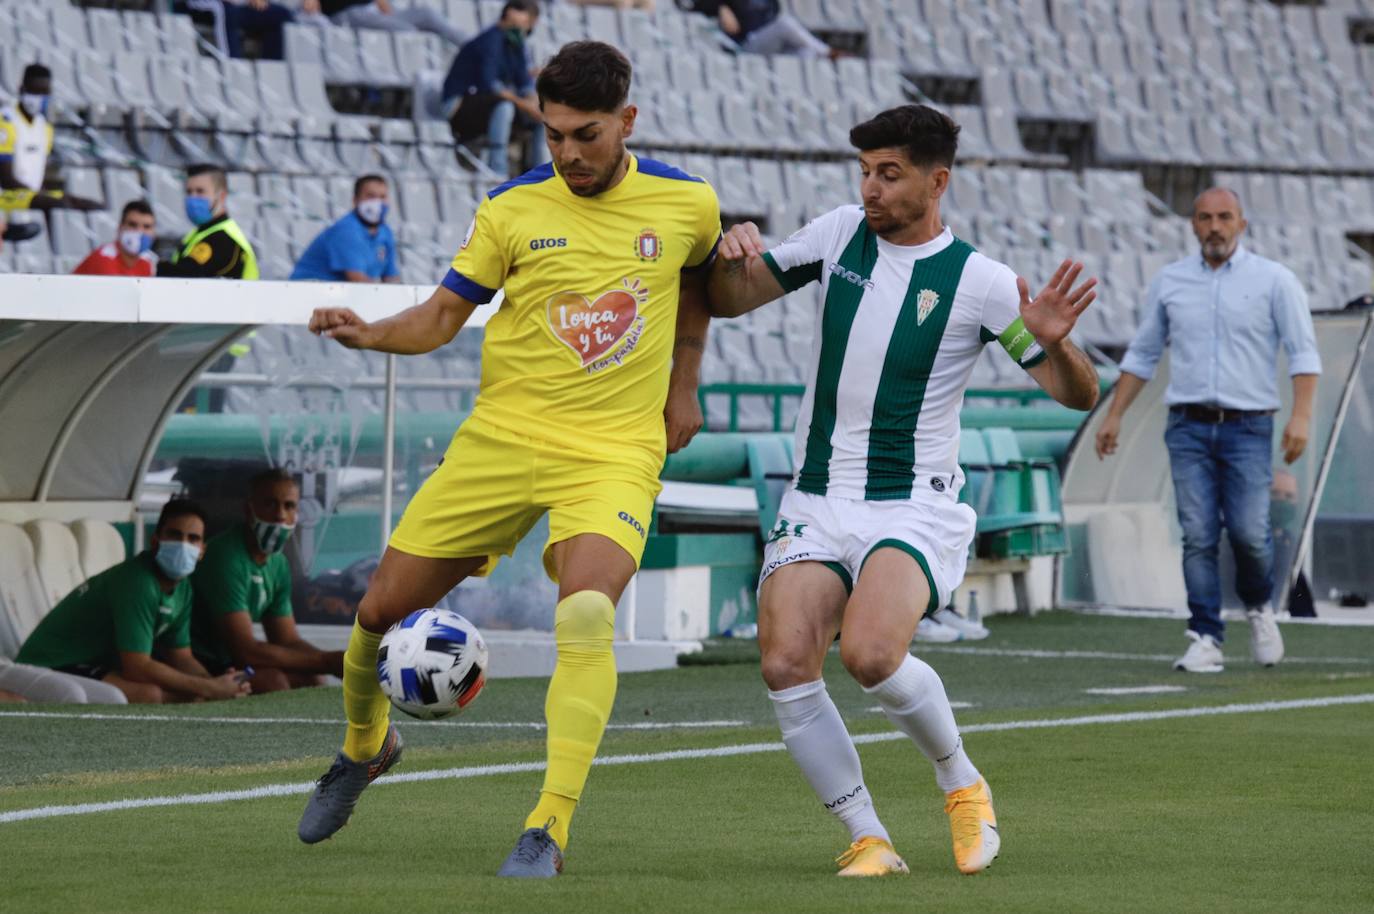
column 1271, row 809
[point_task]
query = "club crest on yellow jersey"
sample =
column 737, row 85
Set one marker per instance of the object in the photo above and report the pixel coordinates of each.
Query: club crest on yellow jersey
column 600, row 331
column 647, row 246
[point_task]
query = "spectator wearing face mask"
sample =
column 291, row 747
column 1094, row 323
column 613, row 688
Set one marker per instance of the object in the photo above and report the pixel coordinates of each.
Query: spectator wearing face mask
column 130, row 626
column 359, row 247
column 131, row 252
column 246, row 579
column 216, row 248
column 490, row 81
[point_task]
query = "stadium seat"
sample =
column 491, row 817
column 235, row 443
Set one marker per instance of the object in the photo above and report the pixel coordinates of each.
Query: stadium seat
column 98, row 545
column 56, row 557
column 23, row 602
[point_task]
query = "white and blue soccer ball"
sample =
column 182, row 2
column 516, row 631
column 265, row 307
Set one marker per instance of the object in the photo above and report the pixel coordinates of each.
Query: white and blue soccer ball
column 432, row 663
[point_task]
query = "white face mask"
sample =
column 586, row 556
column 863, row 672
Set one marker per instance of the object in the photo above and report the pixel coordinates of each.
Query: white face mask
column 34, row 104
column 134, row 242
column 372, row 211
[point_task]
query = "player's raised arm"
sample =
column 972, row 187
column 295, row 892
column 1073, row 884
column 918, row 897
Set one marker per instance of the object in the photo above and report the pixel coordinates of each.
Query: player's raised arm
column 1066, row 373
column 740, row 279
column 419, row 329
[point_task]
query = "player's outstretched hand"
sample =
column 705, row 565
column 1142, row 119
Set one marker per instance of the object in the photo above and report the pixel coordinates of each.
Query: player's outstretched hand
column 740, row 243
column 230, row 684
column 343, row 325
column 1055, row 310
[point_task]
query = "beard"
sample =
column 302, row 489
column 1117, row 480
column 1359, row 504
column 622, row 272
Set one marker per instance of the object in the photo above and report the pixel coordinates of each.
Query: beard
column 603, row 180
column 886, row 222
column 1216, row 249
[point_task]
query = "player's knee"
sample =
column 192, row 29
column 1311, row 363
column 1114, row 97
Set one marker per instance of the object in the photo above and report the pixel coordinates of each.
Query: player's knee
column 783, row 668
column 586, row 617
column 143, row 693
column 270, row 680
column 870, row 661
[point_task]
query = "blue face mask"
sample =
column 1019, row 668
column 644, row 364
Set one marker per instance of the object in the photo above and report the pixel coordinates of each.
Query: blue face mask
column 199, row 210
column 177, row 560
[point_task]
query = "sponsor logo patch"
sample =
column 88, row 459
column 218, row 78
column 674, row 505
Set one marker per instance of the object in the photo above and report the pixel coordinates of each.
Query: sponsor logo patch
column 601, row 332
column 539, row 244
column 639, row 528
column 850, row 276
column 937, row 483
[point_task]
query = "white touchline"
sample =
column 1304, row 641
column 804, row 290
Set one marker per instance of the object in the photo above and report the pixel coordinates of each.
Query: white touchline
column 446, row 774
column 1137, row 690
column 334, row 722
column 1037, row 654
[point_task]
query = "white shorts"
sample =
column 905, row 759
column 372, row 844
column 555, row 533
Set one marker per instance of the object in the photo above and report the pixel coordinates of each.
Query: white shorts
column 933, row 527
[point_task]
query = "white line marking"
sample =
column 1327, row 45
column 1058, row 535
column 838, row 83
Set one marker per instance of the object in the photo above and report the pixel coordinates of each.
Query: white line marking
column 1138, row 690
column 475, row 724
column 1228, row 615
column 445, row 774
column 1038, row 654
column 956, row 705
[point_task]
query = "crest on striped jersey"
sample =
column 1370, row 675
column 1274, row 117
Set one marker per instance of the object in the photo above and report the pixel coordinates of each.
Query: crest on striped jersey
column 925, row 303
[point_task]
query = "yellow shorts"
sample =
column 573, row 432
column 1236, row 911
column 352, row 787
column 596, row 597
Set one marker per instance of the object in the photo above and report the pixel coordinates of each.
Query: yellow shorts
column 493, row 485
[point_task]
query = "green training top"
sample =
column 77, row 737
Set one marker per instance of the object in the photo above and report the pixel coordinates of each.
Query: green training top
column 123, row 608
column 227, row 580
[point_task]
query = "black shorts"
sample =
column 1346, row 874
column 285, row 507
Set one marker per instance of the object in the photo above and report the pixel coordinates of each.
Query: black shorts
column 88, row 670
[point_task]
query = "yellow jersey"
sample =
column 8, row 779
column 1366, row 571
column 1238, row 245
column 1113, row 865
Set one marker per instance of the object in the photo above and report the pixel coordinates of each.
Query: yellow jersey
column 579, row 352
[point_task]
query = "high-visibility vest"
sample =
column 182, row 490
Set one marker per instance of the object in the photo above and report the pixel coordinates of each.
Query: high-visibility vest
column 230, row 228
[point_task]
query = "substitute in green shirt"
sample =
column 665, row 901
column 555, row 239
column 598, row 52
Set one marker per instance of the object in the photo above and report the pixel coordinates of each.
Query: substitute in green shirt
column 245, row 579
column 130, row 625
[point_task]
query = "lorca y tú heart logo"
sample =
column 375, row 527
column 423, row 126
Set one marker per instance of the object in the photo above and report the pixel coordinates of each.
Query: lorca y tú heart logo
column 593, row 328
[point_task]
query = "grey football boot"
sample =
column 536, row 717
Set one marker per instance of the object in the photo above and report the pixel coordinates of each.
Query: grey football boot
column 337, row 792
column 536, row 856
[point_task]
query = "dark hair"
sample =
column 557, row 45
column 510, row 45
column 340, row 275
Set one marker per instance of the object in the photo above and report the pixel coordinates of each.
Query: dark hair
column 214, row 171
column 269, row 477
column 586, row 75
column 135, row 206
column 180, row 507
column 35, row 71
column 928, row 136
column 521, row 6
column 359, row 184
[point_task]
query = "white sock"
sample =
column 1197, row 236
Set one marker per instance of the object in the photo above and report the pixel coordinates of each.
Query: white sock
column 913, row 698
column 816, row 736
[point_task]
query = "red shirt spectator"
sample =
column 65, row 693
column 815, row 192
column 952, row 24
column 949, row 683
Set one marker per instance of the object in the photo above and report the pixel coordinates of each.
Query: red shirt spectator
column 130, row 254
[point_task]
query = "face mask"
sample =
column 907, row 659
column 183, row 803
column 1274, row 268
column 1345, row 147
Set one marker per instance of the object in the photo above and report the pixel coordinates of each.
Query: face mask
column 199, row 210
column 373, row 211
column 271, row 538
column 34, row 104
column 135, row 242
column 515, row 35
column 177, row 560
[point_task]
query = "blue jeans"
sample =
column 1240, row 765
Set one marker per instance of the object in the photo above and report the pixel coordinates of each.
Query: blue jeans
column 1221, row 476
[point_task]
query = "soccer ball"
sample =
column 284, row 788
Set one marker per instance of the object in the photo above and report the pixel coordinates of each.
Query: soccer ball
column 432, row 663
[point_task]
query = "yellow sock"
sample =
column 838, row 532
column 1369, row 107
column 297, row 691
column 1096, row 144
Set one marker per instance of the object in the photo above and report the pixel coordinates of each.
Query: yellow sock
column 365, row 704
column 579, row 702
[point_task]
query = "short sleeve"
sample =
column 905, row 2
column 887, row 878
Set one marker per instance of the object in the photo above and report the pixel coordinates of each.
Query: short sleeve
column 799, row 259
column 7, row 140
column 347, row 253
column 1002, row 320
column 480, row 266
column 706, row 232
column 135, row 616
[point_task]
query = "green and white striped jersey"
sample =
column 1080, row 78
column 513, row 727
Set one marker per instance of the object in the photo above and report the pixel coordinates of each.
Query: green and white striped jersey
column 899, row 331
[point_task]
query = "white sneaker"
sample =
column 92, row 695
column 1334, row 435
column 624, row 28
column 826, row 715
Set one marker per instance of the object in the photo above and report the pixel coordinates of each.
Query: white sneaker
column 935, row 633
column 1202, row 656
column 1266, row 644
column 972, row 631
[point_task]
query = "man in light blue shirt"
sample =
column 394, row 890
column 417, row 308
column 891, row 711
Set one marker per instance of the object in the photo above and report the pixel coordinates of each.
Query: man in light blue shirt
column 1224, row 314
column 360, row 246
